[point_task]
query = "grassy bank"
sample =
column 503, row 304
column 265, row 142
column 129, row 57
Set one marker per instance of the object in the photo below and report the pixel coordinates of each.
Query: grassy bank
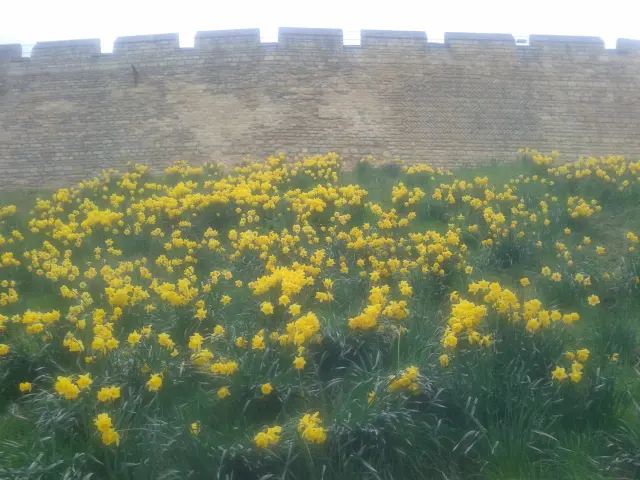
column 288, row 319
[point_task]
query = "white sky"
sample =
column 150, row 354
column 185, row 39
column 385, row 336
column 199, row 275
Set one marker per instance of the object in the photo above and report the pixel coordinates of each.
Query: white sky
column 40, row 20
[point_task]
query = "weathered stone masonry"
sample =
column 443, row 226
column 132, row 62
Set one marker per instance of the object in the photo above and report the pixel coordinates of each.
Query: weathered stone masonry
column 69, row 111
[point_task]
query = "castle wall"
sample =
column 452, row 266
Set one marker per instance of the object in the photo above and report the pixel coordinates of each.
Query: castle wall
column 70, row 111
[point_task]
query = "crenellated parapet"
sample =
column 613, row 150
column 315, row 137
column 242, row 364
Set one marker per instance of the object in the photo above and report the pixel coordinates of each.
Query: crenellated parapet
column 320, row 41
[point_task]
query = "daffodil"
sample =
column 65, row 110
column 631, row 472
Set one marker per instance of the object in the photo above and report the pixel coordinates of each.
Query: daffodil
column 154, row 383
column 559, row 374
column 25, row 387
column 444, row 360
column 593, row 300
column 299, row 363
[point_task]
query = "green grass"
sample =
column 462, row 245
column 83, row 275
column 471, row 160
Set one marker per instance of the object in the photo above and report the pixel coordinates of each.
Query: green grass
column 493, row 413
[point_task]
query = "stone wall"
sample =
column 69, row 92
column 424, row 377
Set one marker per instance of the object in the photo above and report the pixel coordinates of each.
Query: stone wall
column 69, row 110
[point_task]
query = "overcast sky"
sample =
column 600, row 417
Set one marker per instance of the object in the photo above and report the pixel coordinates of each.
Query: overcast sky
column 40, row 20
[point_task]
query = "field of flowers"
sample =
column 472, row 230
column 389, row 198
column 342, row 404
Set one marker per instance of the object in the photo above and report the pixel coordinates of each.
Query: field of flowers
column 291, row 319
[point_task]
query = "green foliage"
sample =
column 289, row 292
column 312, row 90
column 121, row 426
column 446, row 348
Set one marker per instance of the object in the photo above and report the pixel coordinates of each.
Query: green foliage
column 489, row 410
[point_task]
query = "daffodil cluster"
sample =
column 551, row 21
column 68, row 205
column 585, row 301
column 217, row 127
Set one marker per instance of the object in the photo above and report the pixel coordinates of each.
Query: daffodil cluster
column 235, row 286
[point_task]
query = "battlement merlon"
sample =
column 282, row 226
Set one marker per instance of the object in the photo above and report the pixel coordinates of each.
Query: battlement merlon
column 216, row 39
column 66, row 49
column 393, row 38
column 627, row 46
column 320, row 38
column 567, row 44
column 147, row 44
column 11, row 51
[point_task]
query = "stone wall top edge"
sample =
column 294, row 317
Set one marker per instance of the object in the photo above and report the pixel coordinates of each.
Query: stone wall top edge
column 153, row 38
column 329, row 40
column 455, row 37
column 393, row 34
column 566, row 41
column 70, row 43
column 249, row 52
column 241, row 32
column 331, row 32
